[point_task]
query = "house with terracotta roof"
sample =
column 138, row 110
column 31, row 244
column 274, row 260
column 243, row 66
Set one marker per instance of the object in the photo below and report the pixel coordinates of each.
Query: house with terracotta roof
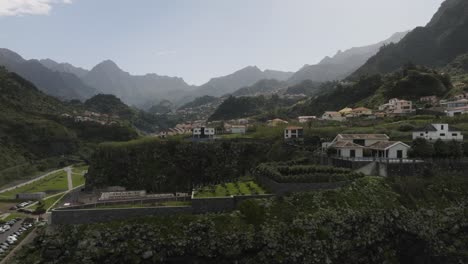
column 361, row 111
column 276, row 122
column 433, row 132
column 333, row 116
column 293, row 132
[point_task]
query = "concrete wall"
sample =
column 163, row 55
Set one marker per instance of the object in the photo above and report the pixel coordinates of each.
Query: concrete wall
column 286, row 188
column 88, row 216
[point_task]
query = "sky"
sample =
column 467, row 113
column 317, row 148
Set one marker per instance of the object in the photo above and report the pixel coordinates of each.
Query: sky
column 201, row 39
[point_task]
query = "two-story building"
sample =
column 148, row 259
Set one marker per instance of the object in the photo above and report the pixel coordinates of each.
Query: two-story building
column 293, row 132
column 433, row 132
column 454, row 104
column 397, row 106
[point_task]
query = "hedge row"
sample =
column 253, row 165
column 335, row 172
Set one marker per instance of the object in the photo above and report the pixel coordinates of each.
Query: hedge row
column 305, row 174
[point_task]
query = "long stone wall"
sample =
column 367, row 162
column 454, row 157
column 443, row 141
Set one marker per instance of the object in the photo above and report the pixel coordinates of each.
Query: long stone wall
column 89, row 216
column 86, row 214
column 287, row 188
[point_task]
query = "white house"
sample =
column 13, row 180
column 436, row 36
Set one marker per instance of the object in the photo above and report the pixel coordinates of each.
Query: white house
column 433, row 132
column 379, row 145
column 397, row 106
column 238, row 130
column 305, row 119
column 389, row 150
column 293, row 132
column 204, row 132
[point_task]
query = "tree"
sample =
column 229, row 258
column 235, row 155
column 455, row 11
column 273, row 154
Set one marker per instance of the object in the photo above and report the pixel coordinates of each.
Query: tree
column 455, row 149
column 441, row 149
column 252, row 212
column 422, row 149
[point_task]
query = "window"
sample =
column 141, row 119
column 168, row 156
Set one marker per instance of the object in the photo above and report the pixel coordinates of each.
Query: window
column 422, row 134
column 442, row 127
column 361, row 142
column 442, row 134
column 454, row 135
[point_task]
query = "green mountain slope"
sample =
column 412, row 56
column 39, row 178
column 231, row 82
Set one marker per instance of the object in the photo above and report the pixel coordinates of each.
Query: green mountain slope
column 410, row 83
column 435, row 45
column 32, row 128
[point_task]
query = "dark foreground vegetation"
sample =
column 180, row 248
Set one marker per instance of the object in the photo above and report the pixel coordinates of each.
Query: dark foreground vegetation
column 373, row 220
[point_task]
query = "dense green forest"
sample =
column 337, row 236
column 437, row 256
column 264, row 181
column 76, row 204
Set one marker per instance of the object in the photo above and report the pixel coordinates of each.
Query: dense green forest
column 167, row 166
column 373, row 220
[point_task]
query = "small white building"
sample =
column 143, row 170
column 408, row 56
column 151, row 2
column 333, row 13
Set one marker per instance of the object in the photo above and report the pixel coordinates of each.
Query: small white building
column 293, row 132
column 204, row 132
column 238, row 130
column 433, row 132
column 390, row 150
column 305, row 119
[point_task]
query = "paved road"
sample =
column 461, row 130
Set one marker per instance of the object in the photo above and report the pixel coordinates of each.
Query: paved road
column 23, row 242
column 13, row 229
column 33, row 180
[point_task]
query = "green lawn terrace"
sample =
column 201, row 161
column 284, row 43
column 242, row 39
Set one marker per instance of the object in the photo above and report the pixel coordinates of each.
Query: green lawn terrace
column 52, row 184
column 238, row 188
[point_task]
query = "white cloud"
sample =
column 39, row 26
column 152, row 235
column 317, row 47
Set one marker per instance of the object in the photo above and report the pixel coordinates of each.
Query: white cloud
column 28, row 7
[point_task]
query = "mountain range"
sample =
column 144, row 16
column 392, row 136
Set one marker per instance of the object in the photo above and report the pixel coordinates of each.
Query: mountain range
column 66, row 81
column 342, row 64
column 61, row 84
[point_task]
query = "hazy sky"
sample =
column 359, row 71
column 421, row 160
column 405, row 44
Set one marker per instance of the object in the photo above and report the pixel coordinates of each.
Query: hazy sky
column 201, row 39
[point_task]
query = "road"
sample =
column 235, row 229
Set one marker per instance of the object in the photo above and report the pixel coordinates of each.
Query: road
column 13, row 229
column 35, row 179
column 23, row 242
column 69, row 177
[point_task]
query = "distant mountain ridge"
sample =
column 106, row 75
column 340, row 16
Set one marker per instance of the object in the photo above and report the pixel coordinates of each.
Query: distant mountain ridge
column 63, row 85
column 245, row 77
column 342, row 64
column 136, row 90
column 64, row 67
